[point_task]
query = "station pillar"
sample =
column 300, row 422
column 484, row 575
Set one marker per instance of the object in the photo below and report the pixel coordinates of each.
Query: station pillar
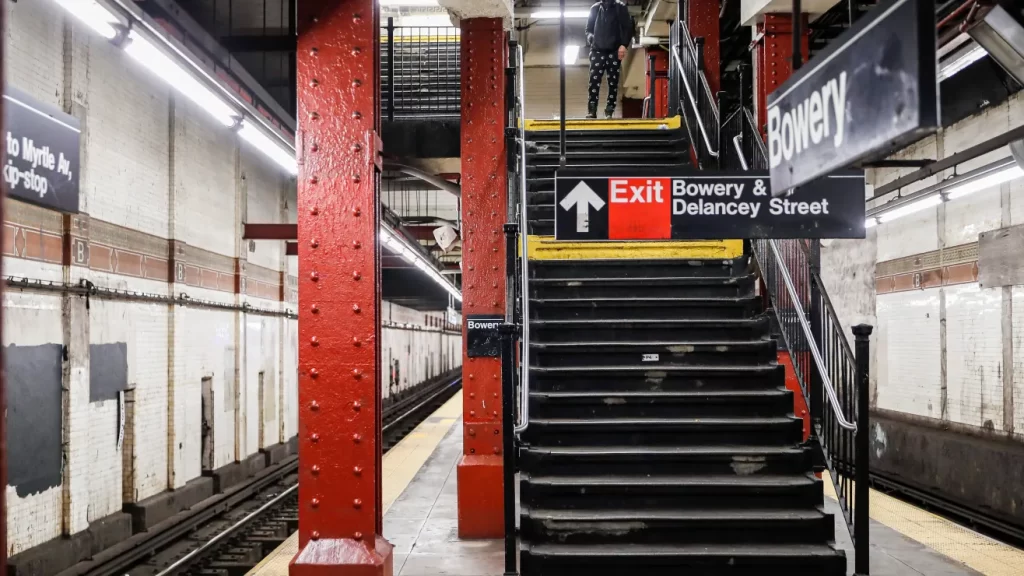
column 338, row 148
column 773, row 58
column 702, row 20
column 484, row 198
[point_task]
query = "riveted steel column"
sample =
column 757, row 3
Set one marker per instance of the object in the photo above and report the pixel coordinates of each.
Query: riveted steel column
column 773, row 58
column 338, row 66
column 702, row 20
column 484, row 196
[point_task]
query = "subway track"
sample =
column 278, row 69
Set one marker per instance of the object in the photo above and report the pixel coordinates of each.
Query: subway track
column 232, row 532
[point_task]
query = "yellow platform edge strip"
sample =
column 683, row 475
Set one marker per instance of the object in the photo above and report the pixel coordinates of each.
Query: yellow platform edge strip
column 672, row 123
column 956, row 542
column 399, row 467
column 547, row 248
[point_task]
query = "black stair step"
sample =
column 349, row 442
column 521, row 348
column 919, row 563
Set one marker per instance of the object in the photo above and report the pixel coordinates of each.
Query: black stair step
column 659, row 404
column 576, row 154
column 713, row 526
column 648, row 354
column 678, row 559
column 674, row 145
column 615, row 138
column 644, row 308
column 652, row 330
column 647, row 287
column 638, row 491
column 744, row 460
column 637, row 270
column 669, row 378
column 664, row 431
column 538, row 168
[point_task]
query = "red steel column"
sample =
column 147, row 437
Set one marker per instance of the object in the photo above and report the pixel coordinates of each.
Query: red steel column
column 773, row 59
column 338, row 63
column 660, row 81
column 702, row 19
column 484, row 200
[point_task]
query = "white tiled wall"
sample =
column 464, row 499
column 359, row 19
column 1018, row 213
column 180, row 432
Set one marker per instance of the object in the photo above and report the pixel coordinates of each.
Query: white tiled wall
column 909, row 355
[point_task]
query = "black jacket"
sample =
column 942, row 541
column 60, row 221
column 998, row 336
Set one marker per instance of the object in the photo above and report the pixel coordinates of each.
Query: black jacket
column 607, row 29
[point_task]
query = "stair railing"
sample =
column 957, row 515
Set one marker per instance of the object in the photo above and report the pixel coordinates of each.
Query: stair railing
column 695, row 100
column 828, row 370
column 524, row 263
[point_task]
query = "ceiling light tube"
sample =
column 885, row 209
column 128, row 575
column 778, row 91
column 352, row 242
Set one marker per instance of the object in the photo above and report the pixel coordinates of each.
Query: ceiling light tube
column 996, row 178
column 147, row 54
column 870, row 223
column 570, row 53
column 400, row 247
column 93, row 15
column 553, row 14
column 960, row 60
column 271, row 149
column 911, row 208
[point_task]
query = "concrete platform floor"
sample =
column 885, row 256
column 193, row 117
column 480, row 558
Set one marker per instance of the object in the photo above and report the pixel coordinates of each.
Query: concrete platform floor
column 422, row 525
column 420, row 501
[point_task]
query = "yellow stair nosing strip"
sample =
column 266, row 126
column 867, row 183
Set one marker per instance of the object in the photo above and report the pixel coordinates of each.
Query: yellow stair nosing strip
column 672, row 123
column 547, row 248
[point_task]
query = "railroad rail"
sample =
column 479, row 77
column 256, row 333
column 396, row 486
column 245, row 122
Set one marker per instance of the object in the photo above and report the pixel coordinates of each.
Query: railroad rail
column 229, row 534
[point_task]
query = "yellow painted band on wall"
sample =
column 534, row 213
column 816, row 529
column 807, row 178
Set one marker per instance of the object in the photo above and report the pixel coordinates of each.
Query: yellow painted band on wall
column 547, row 248
column 672, row 123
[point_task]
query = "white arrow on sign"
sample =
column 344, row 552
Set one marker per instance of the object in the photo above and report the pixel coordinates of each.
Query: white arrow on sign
column 583, row 197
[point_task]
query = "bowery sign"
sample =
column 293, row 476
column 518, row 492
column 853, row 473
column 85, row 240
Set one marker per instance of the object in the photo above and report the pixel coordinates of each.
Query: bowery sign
column 871, row 90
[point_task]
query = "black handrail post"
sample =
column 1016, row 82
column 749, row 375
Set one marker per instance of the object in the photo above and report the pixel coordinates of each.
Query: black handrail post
column 391, row 69
column 861, row 517
column 651, row 86
column 508, row 333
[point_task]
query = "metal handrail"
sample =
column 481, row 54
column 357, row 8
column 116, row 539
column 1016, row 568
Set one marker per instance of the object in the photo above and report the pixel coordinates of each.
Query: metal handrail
column 801, row 315
column 524, row 233
column 818, row 360
column 693, row 102
column 739, row 151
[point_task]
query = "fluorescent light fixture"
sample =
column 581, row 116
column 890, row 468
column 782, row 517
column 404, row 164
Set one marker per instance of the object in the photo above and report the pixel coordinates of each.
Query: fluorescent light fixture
column 273, row 150
column 408, row 3
column 92, row 15
column 570, row 53
column 553, row 14
column 960, row 60
column 870, row 223
column 159, row 64
column 994, row 179
column 911, row 207
column 397, row 245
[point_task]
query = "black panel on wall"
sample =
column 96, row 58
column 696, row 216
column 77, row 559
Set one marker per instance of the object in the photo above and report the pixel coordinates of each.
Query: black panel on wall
column 34, row 417
column 108, row 370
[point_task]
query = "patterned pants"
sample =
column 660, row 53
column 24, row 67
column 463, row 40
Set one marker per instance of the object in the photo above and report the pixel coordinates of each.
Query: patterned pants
column 602, row 62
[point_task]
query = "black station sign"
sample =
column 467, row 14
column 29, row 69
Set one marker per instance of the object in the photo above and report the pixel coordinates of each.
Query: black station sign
column 870, row 90
column 705, row 206
column 483, row 338
column 42, row 158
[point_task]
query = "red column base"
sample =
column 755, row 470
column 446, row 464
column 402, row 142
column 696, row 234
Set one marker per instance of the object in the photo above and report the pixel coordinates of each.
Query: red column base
column 343, row 557
column 481, row 503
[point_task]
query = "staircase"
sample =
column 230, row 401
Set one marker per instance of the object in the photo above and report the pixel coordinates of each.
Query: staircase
column 661, row 435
